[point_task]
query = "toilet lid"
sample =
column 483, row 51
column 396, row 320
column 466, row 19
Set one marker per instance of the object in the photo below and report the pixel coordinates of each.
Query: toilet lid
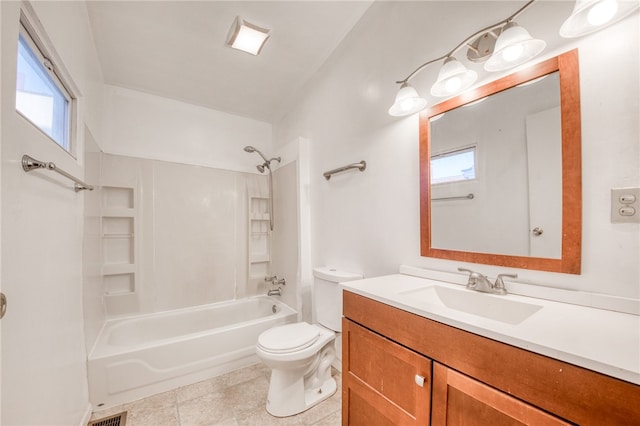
column 288, row 338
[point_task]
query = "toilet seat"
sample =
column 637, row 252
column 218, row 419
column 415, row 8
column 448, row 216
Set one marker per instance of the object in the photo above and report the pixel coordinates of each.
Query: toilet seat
column 288, row 338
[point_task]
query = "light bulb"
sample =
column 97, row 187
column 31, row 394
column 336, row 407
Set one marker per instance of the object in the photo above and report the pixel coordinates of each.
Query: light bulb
column 407, row 105
column 512, row 53
column 453, row 84
column 602, row 12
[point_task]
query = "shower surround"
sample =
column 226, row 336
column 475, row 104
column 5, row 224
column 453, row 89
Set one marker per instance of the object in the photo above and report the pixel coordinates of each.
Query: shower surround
column 189, row 238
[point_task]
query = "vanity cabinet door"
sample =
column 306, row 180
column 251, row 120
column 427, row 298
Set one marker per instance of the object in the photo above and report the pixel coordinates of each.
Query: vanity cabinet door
column 383, row 383
column 461, row 400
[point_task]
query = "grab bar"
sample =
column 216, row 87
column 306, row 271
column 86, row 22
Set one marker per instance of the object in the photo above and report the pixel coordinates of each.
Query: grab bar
column 460, row 197
column 360, row 166
column 30, row 163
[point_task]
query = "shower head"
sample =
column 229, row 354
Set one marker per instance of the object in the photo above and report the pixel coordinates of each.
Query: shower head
column 260, row 168
column 249, row 148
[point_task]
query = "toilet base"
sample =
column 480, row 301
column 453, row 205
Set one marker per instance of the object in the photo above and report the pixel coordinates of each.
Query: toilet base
column 293, row 391
column 312, row 397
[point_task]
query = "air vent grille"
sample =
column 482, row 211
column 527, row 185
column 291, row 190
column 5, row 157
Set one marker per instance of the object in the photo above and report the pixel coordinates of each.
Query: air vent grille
column 119, row 419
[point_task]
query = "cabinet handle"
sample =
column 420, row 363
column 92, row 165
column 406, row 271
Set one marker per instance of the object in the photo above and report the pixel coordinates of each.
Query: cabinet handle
column 419, row 380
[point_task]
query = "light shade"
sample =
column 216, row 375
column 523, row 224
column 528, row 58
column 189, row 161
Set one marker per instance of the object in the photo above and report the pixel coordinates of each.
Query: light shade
column 452, row 78
column 407, row 102
column 514, row 47
column 591, row 15
column 247, row 37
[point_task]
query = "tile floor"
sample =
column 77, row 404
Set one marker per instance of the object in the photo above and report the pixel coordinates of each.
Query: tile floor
column 234, row 399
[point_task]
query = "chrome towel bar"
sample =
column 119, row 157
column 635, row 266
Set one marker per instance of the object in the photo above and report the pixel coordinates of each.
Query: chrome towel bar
column 360, row 166
column 460, row 197
column 30, row 163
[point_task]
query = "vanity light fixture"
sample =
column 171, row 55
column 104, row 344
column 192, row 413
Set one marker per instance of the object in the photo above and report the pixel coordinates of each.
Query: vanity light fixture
column 452, row 78
column 407, row 101
column 591, row 15
column 247, row 37
column 503, row 45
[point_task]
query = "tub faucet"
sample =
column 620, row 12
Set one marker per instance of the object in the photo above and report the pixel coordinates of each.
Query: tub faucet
column 276, row 289
column 479, row 282
column 275, row 292
column 274, row 280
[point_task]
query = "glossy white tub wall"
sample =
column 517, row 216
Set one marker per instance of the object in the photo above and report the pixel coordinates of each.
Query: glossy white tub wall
column 144, row 355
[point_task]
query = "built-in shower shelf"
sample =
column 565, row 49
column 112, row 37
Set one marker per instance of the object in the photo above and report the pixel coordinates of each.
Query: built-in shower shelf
column 119, row 223
column 260, row 258
column 118, row 268
column 118, row 212
column 260, row 216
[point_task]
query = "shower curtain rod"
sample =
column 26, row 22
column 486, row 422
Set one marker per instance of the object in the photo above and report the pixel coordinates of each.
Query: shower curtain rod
column 29, row 163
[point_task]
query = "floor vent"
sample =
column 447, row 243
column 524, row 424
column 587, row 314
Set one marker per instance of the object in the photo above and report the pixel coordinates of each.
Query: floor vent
column 119, row 419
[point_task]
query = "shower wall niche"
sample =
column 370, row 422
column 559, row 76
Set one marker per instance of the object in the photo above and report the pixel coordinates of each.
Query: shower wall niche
column 259, row 242
column 119, row 221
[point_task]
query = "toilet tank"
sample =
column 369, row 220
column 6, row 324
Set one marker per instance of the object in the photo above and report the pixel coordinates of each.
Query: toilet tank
column 328, row 295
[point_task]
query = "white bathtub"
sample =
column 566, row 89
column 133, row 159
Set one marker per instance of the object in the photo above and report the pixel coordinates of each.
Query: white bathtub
column 144, row 355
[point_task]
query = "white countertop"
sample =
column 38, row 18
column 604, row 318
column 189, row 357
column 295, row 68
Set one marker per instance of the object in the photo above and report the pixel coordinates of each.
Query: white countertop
column 596, row 339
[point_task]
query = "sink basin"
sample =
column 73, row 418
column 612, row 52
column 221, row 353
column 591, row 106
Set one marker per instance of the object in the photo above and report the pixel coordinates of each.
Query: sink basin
column 498, row 308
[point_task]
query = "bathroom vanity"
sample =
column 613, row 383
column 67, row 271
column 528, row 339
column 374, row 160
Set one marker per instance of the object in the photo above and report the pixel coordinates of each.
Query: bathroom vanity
column 414, row 354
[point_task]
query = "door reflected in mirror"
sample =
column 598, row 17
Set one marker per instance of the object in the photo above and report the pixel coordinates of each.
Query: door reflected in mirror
column 500, row 171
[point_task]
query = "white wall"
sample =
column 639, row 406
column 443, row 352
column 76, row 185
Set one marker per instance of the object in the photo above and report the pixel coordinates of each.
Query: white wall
column 43, row 353
column 148, row 126
column 93, row 309
column 369, row 222
column 285, row 239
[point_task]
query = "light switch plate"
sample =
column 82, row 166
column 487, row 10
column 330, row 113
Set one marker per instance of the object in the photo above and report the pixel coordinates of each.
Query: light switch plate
column 625, row 205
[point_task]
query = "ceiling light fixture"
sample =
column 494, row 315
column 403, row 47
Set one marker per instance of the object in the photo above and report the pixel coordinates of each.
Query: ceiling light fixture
column 503, row 45
column 247, row 37
column 591, row 15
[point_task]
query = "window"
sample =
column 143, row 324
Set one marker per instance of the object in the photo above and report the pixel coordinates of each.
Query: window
column 454, row 166
column 40, row 95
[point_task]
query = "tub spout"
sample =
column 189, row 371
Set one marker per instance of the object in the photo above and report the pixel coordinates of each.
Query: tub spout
column 275, row 292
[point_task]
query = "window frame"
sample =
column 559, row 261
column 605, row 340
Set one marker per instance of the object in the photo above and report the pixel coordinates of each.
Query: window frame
column 50, row 63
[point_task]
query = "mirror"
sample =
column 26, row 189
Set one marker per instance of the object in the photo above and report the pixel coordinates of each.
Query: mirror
column 500, row 171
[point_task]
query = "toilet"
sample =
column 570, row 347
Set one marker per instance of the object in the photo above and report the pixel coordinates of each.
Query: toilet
column 300, row 355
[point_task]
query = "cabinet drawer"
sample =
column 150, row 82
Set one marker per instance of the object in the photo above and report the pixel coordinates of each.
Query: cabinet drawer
column 383, row 381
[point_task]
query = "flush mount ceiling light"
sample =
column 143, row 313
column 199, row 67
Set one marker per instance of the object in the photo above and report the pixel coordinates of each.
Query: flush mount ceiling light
column 247, row 37
column 591, row 15
column 510, row 44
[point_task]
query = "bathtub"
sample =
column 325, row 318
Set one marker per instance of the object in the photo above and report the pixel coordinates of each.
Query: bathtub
column 140, row 356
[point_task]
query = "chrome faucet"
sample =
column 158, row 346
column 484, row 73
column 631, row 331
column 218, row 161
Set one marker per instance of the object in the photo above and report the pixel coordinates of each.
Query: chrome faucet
column 479, row 282
column 275, row 292
column 274, row 280
column 277, row 284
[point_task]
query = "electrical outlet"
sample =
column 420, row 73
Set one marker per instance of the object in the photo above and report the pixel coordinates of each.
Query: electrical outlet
column 625, row 205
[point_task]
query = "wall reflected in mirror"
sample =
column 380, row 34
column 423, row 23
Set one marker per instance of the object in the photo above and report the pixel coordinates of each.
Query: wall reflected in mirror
column 505, row 150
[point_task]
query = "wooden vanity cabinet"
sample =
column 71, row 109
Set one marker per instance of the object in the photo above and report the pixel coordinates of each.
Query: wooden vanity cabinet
column 387, row 384
column 469, row 379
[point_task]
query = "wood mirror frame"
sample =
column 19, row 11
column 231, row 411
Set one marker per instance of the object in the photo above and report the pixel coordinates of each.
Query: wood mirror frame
column 570, row 261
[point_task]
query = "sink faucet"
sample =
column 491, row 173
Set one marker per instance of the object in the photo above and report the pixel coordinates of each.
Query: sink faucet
column 479, row 282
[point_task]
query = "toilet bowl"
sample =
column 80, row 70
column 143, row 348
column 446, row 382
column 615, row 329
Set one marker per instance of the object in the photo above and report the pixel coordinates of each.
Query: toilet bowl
column 300, row 357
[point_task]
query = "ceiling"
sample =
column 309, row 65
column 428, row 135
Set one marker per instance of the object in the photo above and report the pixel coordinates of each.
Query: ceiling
column 176, row 49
